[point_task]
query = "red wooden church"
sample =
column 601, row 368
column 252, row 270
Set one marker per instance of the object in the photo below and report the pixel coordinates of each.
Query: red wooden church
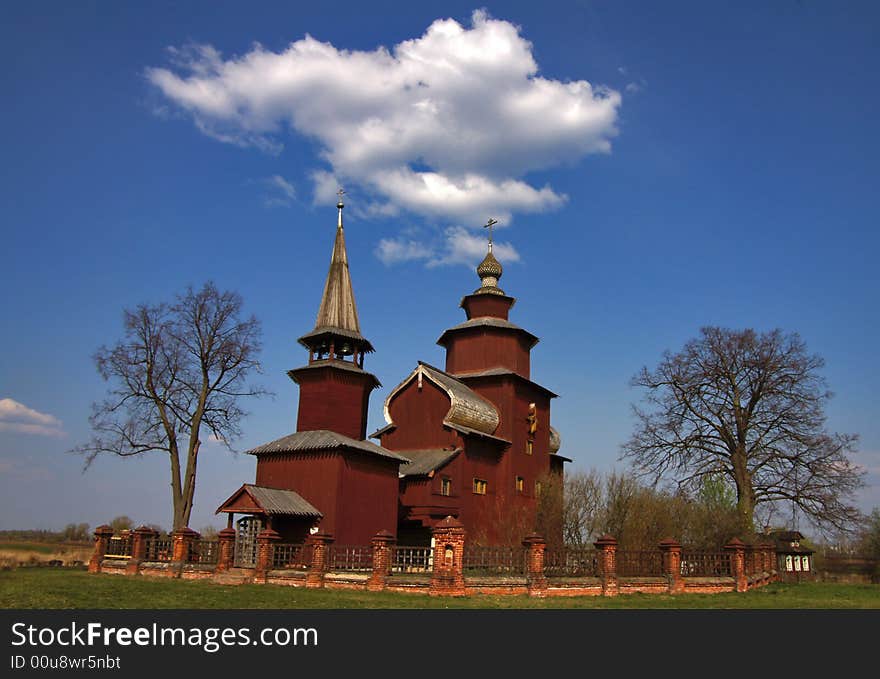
column 472, row 440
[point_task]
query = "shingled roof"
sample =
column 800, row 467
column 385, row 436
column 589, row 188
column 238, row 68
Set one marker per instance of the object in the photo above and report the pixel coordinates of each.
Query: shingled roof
column 271, row 501
column 499, row 371
column 423, row 462
column 322, row 439
column 337, row 314
column 487, row 322
column 468, row 411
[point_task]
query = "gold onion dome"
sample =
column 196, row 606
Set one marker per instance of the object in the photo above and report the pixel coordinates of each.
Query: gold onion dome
column 489, row 271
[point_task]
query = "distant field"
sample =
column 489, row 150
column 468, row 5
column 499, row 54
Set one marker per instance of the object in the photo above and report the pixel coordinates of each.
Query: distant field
column 71, row 588
column 18, row 553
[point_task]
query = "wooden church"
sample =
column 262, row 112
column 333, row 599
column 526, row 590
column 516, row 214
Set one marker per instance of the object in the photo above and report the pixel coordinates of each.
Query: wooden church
column 472, row 440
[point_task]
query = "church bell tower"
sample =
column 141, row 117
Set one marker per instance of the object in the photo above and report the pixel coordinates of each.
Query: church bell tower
column 334, row 387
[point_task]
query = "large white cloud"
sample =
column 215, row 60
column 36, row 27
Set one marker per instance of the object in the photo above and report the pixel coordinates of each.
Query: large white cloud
column 17, row 417
column 446, row 125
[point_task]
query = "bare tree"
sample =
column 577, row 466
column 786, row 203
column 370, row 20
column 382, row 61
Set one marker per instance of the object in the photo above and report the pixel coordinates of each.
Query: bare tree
column 180, row 368
column 751, row 407
column 121, row 523
column 583, row 508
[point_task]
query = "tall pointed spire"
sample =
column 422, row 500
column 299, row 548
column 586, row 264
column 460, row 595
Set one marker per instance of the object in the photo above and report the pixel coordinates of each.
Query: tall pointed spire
column 338, row 308
column 337, row 317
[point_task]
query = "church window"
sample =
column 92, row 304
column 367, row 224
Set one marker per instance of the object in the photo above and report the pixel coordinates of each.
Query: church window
column 445, row 486
column 537, row 489
column 519, row 484
column 480, row 486
column 529, row 447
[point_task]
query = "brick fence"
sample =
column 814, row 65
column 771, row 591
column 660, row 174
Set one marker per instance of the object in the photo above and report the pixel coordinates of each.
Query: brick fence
column 453, row 567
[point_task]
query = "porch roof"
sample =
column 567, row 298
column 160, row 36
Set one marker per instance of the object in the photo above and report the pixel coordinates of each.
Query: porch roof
column 252, row 499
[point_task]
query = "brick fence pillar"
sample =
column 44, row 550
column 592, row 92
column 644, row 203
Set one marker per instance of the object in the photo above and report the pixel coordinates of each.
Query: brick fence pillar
column 769, row 551
column 102, row 541
column 536, row 545
column 383, row 545
column 226, row 550
column 773, row 559
column 318, row 543
column 181, row 544
column 448, row 576
column 266, row 540
column 737, row 563
column 753, row 560
column 671, row 550
column 139, row 548
column 607, row 548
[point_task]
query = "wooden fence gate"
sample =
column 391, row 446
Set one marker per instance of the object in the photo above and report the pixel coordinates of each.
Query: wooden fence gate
column 246, row 532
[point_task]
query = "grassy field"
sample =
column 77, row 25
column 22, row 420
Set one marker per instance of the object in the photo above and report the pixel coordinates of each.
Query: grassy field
column 69, row 588
column 32, row 553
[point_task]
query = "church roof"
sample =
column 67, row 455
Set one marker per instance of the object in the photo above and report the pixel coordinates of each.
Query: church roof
column 272, row 501
column 507, row 372
column 309, row 338
column 489, row 271
column 321, row 439
column 331, row 363
column 423, row 462
column 337, row 313
column 467, row 410
column 555, row 441
column 487, row 321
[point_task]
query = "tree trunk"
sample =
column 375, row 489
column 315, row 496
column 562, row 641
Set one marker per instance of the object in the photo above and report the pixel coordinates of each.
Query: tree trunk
column 189, row 485
column 745, row 494
column 176, row 495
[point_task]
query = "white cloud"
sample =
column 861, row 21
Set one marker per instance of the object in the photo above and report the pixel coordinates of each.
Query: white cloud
column 17, row 417
column 396, row 250
column 326, row 185
column 457, row 245
column 282, row 192
column 463, row 247
column 445, row 125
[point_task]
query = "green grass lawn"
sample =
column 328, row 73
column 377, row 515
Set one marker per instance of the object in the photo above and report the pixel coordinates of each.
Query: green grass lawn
column 67, row 588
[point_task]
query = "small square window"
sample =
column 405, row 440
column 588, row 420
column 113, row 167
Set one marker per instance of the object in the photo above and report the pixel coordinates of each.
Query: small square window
column 445, row 486
column 480, row 486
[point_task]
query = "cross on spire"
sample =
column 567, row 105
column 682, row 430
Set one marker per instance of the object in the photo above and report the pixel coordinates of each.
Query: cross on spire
column 340, row 193
column 489, row 225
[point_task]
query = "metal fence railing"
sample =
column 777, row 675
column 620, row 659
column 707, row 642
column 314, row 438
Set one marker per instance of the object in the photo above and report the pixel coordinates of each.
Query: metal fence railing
column 639, row 563
column 158, row 549
column 705, row 564
column 205, row 552
column 494, row 560
column 119, row 547
column 571, row 562
column 349, row 558
column 292, row 555
column 411, row 559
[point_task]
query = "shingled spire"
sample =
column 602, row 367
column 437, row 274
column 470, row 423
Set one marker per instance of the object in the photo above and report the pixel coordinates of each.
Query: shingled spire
column 337, row 308
column 337, row 327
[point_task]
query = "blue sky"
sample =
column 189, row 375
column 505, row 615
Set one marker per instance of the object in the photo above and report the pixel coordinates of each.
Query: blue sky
column 719, row 168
